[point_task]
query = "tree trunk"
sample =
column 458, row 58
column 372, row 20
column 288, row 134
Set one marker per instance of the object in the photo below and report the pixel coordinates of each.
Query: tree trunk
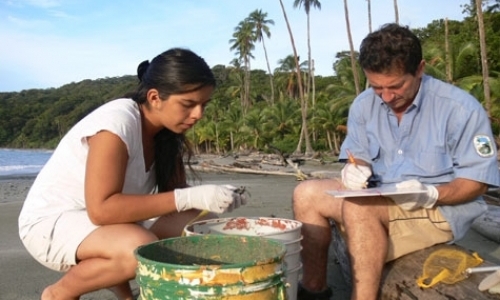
column 329, row 140
column 309, row 62
column 313, row 95
column 484, row 57
column 232, row 141
column 299, row 144
column 353, row 59
column 336, row 143
column 449, row 76
column 271, row 81
column 217, row 145
column 369, row 16
column 247, row 84
column 396, row 11
column 303, row 103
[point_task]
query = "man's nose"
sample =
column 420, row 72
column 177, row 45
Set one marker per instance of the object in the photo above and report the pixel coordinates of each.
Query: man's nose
column 387, row 95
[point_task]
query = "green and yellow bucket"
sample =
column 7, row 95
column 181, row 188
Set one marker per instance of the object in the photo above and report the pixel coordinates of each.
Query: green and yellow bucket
column 211, row 267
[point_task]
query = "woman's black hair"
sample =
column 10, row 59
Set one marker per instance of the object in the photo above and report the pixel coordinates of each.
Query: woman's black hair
column 175, row 71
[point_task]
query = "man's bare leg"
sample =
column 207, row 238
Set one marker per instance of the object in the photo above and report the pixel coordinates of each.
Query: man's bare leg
column 365, row 222
column 313, row 207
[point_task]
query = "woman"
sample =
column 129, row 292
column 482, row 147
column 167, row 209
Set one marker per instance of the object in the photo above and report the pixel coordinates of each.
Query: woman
column 93, row 204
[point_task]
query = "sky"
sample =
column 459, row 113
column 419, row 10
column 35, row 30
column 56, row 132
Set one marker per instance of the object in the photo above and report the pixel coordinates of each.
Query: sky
column 50, row 43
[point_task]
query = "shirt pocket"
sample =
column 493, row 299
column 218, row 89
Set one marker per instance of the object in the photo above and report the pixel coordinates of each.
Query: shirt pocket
column 432, row 164
column 374, row 152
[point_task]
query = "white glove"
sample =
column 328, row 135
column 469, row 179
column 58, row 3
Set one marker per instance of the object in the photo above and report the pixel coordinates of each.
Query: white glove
column 414, row 201
column 355, row 177
column 214, row 198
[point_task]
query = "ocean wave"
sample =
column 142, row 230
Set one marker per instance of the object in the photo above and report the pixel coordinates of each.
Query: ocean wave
column 20, row 170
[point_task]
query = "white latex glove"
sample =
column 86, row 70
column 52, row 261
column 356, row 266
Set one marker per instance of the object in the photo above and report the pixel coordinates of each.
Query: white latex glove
column 414, row 201
column 211, row 197
column 355, row 177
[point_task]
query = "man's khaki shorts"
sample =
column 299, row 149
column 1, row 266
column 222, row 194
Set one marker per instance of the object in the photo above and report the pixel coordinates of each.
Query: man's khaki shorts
column 414, row 230
column 410, row 231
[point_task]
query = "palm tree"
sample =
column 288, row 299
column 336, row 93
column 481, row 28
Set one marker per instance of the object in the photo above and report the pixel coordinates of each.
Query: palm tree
column 326, row 121
column 307, row 7
column 243, row 42
column 236, row 76
column 351, row 47
column 259, row 22
column 459, row 57
column 484, row 56
column 205, row 133
column 281, row 118
column 232, row 122
column 254, row 129
column 286, row 76
column 303, row 104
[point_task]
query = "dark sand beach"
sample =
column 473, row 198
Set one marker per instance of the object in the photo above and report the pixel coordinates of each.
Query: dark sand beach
column 22, row 278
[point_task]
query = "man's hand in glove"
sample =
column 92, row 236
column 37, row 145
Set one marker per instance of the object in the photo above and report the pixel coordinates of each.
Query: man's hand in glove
column 214, row 198
column 418, row 200
column 355, row 177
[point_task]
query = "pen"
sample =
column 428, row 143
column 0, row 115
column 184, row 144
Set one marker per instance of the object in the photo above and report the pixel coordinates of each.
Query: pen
column 351, row 157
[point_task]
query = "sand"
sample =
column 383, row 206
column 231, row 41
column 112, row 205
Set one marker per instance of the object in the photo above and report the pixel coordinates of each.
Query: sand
column 22, row 278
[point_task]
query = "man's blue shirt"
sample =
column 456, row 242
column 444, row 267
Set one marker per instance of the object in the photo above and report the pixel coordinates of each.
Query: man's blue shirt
column 445, row 134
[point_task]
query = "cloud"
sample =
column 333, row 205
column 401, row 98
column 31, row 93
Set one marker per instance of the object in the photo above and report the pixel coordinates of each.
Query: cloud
column 53, row 61
column 51, row 43
column 42, row 3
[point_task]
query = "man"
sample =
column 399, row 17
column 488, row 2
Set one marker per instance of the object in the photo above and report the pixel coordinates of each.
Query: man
column 407, row 129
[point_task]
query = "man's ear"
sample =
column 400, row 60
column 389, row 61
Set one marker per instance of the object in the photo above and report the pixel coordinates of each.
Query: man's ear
column 421, row 69
column 153, row 97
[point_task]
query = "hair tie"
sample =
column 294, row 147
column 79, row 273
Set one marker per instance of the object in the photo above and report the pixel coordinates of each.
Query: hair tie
column 142, row 68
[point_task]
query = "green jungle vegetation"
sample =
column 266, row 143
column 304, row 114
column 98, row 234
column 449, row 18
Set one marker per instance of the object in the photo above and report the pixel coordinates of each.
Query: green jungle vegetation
column 253, row 110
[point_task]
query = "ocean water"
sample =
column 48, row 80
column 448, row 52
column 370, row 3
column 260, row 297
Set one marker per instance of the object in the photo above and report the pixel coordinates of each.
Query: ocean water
column 19, row 162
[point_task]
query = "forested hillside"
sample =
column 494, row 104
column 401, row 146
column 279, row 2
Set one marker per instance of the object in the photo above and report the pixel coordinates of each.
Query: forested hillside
column 252, row 109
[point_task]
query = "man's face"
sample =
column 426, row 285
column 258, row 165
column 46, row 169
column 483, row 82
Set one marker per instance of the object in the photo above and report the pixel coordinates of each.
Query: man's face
column 397, row 90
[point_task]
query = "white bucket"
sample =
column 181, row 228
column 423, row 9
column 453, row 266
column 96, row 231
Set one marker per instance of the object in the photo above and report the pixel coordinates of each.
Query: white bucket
column 292, row 281
column 292, row 259
column 292, row 246
column 279, row 229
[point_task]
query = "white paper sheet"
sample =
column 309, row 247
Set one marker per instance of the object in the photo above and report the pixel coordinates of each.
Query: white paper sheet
column 385, row 190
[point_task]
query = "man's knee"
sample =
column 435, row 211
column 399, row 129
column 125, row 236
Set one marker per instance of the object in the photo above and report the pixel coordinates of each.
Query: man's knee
column 306, row 194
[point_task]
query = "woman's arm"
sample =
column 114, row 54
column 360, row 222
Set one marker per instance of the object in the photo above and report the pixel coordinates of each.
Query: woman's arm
column 104, row 179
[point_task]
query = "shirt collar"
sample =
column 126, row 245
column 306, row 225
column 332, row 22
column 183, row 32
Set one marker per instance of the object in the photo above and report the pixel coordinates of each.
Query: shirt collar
column 418, row 98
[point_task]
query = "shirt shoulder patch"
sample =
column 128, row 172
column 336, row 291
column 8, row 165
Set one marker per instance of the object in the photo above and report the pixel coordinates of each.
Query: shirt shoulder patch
column 483, row 145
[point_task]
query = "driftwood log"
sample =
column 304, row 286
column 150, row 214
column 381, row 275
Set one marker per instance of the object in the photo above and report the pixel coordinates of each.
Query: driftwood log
column 265, row 165
column 399, row 280
column 210, row 167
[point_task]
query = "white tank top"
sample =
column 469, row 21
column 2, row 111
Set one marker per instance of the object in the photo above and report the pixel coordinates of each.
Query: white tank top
column 60, row 184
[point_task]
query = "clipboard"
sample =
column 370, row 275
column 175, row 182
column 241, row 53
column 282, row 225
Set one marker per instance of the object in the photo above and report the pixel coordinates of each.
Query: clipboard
column 385, row 190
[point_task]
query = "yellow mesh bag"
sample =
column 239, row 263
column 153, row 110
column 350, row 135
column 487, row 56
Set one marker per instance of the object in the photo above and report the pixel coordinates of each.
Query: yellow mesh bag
column 447, row 265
